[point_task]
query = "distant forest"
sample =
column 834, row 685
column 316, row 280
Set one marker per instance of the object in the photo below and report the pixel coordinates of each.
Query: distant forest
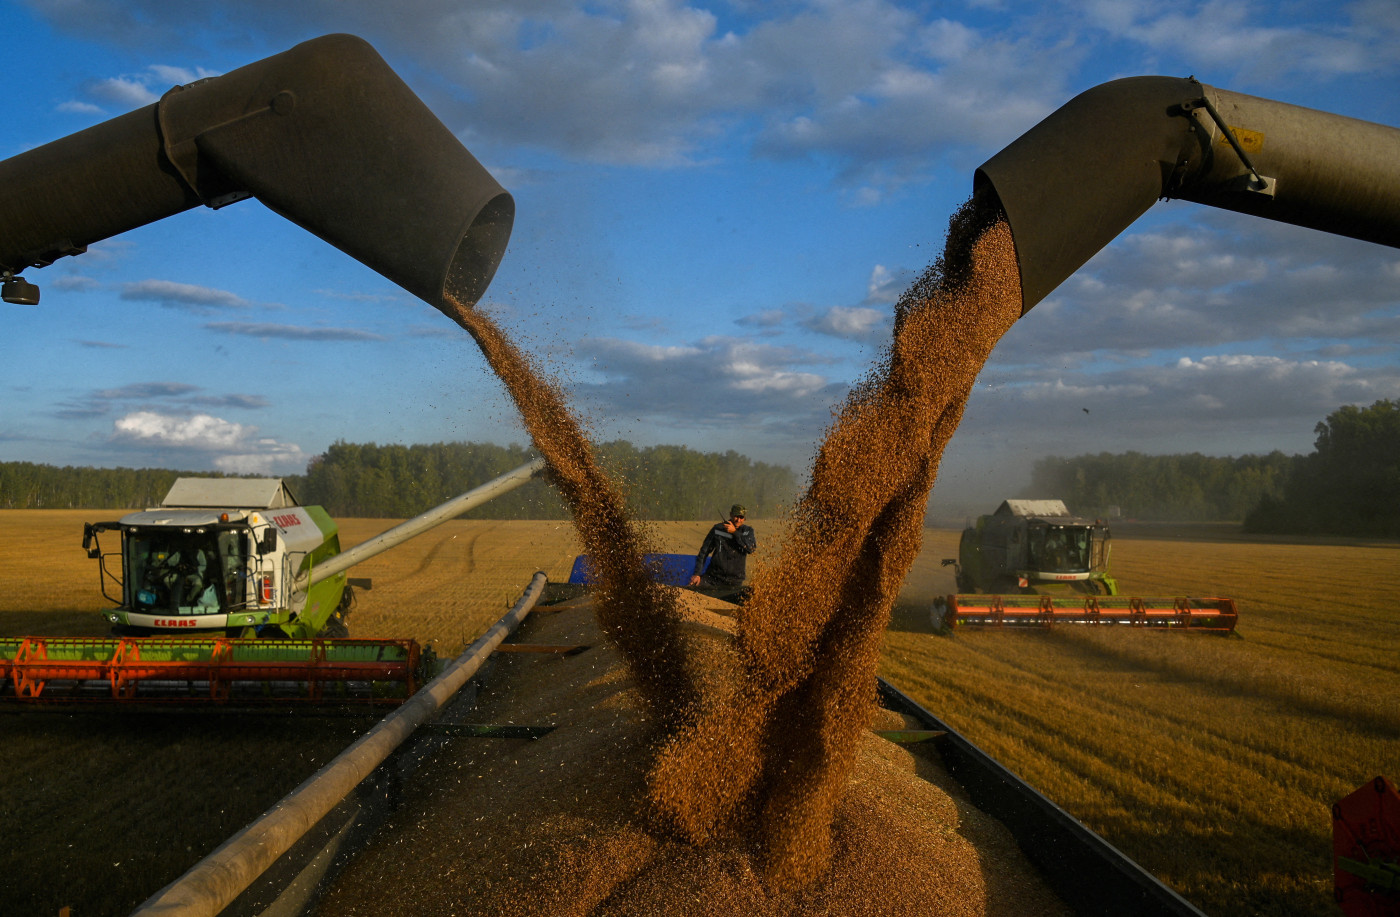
column 1350, row 485
column 395, row 481
column 1162, row 488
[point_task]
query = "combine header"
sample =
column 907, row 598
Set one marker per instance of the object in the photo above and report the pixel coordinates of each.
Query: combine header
column 1032, row 563
column 1212, row 615
column 176, row 670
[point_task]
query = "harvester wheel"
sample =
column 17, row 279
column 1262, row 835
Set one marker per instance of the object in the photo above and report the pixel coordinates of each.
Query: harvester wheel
column 335, row 629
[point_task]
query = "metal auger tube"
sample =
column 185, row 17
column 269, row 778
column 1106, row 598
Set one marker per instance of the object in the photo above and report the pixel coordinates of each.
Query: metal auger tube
column 324, row 134
column 1080, row 177
column 421, row 523
column 215, row 881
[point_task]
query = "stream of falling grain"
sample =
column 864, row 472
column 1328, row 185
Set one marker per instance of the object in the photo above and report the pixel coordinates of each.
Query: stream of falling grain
column 781, row 746
column 638, row 614
column 775, row 752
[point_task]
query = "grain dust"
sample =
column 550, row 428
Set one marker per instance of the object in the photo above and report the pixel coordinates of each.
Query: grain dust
column 557, row 826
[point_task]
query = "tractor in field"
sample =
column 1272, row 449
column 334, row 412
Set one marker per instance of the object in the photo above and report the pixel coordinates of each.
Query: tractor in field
column 1033, row 563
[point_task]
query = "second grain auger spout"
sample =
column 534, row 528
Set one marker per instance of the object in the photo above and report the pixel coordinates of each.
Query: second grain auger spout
column 1080, row 177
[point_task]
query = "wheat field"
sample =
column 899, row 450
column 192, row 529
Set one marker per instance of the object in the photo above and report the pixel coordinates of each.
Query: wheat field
column 1211, row 761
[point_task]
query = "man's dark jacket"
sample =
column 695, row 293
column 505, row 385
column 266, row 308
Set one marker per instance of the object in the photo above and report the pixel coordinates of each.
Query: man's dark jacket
column 727, row 566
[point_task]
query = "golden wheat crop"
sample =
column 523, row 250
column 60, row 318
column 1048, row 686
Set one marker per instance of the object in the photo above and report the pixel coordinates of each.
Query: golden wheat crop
column 1211, row 761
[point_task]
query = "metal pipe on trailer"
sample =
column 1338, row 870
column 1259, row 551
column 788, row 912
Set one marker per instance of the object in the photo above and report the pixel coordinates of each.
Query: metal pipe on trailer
column 215, row 881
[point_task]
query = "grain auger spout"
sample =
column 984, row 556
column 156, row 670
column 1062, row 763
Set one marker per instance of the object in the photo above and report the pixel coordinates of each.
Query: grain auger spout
column 325, row 134
column 1080, row 177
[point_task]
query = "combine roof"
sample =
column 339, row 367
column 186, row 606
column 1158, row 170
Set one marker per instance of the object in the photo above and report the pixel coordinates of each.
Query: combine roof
column 229, row 493
column 1033, row 508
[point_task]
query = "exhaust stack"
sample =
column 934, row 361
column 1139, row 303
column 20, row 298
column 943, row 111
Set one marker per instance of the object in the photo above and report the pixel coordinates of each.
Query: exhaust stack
column 1080, row 177
column 325, row 134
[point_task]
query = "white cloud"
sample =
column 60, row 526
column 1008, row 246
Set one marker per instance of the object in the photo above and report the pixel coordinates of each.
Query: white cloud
column 198, row 431
column 1208, row 278
column 1213, row 402
column 1247, row 37
column 852, row 323
column 735, row 386
column 79, row 108
column 179, row 439
column 275, row 458
column 885, row 286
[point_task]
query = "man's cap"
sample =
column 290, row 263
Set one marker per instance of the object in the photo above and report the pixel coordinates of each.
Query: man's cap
column 737, row 510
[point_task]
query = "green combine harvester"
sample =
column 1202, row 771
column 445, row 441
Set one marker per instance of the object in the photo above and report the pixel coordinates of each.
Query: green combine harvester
column 1033, row 563
column 231, row 592
column 1029, row 546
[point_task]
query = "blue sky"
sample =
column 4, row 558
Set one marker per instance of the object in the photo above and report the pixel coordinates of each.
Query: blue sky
column 717, row 205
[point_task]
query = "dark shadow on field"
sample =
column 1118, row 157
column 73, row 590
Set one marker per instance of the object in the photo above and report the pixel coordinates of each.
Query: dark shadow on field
column 113, row 805
column 1197, row 861
column 52, row 624
column 1231, row 681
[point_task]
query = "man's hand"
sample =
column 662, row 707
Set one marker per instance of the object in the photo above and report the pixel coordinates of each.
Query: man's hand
column 695, row 581
column 730, row 527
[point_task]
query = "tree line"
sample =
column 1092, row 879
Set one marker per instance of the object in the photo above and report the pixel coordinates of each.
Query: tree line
column 1162, row 488
column 398, row 481
column 27, row 485
column 1349, row 484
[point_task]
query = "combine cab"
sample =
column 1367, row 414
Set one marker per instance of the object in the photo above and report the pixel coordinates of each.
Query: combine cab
column 1032, row 546
column 222, row 557
column 1031, row 563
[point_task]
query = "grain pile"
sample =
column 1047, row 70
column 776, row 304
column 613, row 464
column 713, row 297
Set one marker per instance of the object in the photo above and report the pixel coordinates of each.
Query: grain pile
column 778, row 751
column 560, row 826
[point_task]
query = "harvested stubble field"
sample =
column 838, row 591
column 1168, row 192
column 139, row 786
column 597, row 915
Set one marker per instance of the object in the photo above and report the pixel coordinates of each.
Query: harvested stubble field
column 1211, row 761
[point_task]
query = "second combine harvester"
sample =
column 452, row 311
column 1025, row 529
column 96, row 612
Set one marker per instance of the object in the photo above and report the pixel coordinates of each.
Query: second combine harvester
column 1033, row 563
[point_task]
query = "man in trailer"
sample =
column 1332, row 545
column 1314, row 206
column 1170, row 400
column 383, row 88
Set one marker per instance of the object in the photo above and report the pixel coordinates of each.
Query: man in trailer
column 727, row 547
